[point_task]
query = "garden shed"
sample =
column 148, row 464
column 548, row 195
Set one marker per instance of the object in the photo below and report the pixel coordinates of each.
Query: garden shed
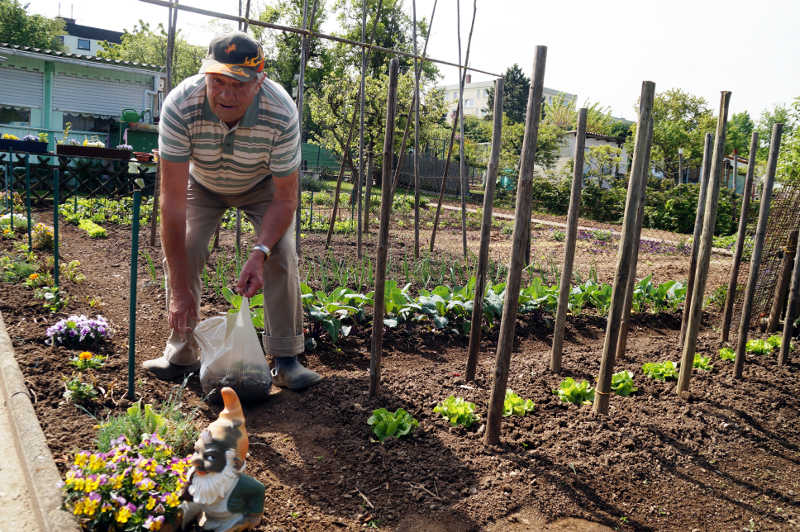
column 42, row 90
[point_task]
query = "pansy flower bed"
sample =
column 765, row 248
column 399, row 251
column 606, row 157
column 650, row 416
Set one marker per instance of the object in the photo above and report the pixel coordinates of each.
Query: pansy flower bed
column 78, row 331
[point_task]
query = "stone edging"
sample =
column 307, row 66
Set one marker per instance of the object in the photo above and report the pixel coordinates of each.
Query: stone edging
column 41, row 473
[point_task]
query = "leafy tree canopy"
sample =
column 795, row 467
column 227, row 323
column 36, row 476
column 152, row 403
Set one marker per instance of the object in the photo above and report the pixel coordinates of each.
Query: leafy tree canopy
column 144, row 45
column 20, row 28
column 789, row 158
column 561, row 113
column 782, row 114
column 516, row 86
column 737, row 137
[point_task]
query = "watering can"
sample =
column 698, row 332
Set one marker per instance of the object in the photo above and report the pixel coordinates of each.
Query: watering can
column 130, row 115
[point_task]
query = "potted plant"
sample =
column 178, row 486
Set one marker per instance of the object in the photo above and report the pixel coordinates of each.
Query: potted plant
column 93, row 147
column 28, row 143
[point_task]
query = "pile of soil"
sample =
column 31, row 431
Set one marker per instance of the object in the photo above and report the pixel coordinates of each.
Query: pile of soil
column 725, row 457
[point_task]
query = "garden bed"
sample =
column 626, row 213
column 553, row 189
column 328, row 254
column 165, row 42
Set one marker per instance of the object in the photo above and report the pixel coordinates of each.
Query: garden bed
column 726, row 458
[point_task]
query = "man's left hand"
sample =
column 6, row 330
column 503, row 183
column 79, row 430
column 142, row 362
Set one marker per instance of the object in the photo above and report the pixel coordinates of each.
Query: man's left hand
column 252, row 277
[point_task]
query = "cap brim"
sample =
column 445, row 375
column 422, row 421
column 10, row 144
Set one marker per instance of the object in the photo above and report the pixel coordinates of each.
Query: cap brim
column 211, row 66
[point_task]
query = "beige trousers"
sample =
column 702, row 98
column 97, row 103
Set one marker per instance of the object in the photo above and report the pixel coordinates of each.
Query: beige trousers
column 283, row 311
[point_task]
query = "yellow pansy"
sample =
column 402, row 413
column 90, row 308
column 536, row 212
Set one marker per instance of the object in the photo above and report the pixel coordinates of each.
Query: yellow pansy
column 123, row 514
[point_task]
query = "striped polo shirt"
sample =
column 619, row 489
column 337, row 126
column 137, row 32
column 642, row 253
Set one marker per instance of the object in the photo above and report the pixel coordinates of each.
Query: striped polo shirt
column 230, row 160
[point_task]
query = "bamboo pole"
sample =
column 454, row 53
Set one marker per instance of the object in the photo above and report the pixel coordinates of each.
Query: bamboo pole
column 404, row 142
column 383, row 235
column 522, row 213
column 569, row 245
column 635, row 184
column 486, row 227
column 782, row 286
column 758, row 246
column 462, row 159
column 362, row 97
column 698, row 227
column 704, row 252
column 416, row 134
column 300, row 86
column 730, row 297
column 444, row 181
column 368, row 191
column 788, row 323
column 622, row 341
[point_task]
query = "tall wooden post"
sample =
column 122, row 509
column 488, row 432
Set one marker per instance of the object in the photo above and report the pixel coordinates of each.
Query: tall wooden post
column 635, row 184
column 730, row 297
column 704, row 252
column 486, row 227
column 383, row 236
column 300, row 92
column 782, row 286
column 624, row 327
column 368, row 188
column 788, row 323
column 698, row 227
column 758, row 246
column 522, row 217
column 569, row 245
column 416, row 134
column 361, row 103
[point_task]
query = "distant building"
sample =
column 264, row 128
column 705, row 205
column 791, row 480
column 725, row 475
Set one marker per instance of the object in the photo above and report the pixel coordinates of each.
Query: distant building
column 476, row 97
column 566, row 154
column 86, row 40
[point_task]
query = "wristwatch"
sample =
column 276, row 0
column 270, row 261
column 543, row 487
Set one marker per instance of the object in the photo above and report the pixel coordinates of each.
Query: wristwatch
column 263, row 249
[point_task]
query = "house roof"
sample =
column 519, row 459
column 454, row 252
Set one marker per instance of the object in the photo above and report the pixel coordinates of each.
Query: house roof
column 89, row 58
column 90, row 32
column 590, row 135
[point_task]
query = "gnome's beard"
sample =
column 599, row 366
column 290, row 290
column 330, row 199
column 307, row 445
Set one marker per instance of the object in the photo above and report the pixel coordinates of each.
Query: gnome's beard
column 212, row 487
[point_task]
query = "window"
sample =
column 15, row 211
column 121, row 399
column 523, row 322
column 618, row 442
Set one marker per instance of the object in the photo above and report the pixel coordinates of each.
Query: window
column 84, row 44
column 468, row 102
column 15, row 117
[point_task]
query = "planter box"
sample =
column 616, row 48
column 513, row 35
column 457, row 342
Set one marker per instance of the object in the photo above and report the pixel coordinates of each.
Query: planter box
column 29, row 146
column 91, row 151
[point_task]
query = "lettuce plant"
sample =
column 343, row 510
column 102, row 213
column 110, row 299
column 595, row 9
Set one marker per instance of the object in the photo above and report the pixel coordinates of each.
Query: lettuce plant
column 622, row 383
column 92, row 229
column 514, row 405
column 701, row 362
column 726, row 353
column 386, row 424
column 660, row 371
column 457, row 411
column 571, row 391
column 758, row 346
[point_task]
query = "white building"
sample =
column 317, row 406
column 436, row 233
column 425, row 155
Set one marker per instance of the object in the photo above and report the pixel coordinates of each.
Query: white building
column 567, row 152
column 86, row 40
column 476, row 97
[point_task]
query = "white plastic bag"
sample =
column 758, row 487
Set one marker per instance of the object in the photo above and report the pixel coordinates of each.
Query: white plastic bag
column 231, row 355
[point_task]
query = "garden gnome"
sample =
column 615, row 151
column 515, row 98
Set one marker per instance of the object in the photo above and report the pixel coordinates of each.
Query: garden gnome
column 218, row 488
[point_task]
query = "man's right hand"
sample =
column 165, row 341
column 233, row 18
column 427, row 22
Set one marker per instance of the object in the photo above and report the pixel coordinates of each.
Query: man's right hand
column 182, row 311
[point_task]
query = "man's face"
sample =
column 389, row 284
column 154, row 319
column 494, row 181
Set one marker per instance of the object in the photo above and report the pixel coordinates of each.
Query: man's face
column 229, row 98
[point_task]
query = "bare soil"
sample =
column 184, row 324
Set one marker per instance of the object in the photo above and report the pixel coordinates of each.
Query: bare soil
column 725, row 457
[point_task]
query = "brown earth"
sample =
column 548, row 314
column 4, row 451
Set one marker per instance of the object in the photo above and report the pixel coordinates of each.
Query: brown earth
column 725, row 458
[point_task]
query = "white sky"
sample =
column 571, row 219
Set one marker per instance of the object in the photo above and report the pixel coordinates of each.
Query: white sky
column 601, row 51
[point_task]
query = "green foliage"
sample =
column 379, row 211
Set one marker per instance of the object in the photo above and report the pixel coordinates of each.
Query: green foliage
column 54, row 298
column 177, row 429
column 331, row 312
column 92, row 229
column 562, row 113
column 72, row 272
column 457, row 411
column 660, row 370
column 514, row 405
column 20, row 28
column 737, row 137
column 578, row 393
column 79, row 392
column 516, row 87
column 701, row 362
column 256, row 304
column 717, row 297
column 143, row 45
column 758, row 346
column 663, row 297
column 87, row 360
column 386, row 424
column 16, row 268
column 775, row 341
column 622, row 383
column 726, row 353
column 559, row 236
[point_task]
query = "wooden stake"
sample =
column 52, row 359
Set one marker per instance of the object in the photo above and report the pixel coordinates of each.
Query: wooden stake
column 361, row 103
column 727, row 314
column 704, row 252
column 758, row 246
column 383, row 235
column 569, row 245
column 788, row 323
column 416, row 134
column 782, row 286
column 339, row 182
column 698, row 227
column 622, row 341
column 635, row 184
column 368, row 190
column 462, row 156
column 486, row 227
column 300, row 92
column 522, row 215
column 444, row 180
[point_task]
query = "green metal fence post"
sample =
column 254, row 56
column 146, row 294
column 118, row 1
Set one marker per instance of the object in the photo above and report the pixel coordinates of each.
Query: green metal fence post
column 10, row 182
column 28, row 198
column 56, row 179
column 137, row 200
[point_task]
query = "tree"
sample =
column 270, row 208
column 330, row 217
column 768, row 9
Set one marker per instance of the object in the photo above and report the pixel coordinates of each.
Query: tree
column 17, row 27
column 561, row 113
column 680, row 121
column 515, row 95
column 143, row 45
column 780, row 114
column 789, row 158
column 737, row 138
